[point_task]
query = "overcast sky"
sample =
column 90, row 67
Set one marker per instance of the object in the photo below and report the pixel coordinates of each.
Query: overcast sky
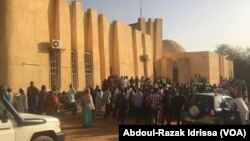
column 198, row 25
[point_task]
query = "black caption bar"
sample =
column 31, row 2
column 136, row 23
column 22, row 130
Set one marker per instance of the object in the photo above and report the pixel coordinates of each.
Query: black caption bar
column 219, row 132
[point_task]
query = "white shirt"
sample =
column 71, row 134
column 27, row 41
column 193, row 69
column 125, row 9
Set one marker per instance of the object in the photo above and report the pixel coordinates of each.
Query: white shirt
column 243, row 109
column 71, row 95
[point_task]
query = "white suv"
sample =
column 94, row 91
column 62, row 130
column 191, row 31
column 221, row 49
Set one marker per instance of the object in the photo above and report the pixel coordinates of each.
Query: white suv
column 16, row 126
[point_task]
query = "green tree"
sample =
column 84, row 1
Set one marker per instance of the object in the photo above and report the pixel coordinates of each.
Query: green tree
column 241, row 58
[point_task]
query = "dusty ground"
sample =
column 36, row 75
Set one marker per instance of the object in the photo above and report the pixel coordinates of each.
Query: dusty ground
column 102, row 130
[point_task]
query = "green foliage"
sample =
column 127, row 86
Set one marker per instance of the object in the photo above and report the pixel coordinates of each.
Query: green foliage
column 241, row 58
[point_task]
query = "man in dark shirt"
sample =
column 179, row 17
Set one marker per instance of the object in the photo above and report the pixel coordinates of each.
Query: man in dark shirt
column 32, row 95
column 121, row 106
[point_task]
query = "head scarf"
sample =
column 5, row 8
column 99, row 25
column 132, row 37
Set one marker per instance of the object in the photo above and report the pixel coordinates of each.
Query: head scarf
column 87, row 100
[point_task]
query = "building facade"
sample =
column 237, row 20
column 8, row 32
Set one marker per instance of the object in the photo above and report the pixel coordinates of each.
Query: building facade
column 181, row 66
column 56, row 44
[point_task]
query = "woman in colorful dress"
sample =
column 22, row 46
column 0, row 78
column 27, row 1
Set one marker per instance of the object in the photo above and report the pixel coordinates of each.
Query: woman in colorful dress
column 87, row 107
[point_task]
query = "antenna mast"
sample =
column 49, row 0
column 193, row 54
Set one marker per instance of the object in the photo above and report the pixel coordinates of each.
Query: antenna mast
column 141, row 9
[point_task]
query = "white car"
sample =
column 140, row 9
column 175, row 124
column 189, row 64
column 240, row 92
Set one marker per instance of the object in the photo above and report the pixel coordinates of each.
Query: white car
column 16, row 126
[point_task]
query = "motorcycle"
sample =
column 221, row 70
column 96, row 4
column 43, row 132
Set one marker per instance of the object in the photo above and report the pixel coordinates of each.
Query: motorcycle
column 68, row 107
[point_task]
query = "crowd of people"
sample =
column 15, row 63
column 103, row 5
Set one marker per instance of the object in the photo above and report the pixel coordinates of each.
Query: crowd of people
column 36, row 101
column 159, row 102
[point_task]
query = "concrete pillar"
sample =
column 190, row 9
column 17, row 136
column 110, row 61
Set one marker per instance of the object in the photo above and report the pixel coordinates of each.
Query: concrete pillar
column 115, row 50
column 78, row 42
column 93, row 45
column 148, row 50
column 123, row 50
column 157, row 47
column 142, row 25
column 104, row 34
column 138, row 52
column 150, row 27
column 63, row 33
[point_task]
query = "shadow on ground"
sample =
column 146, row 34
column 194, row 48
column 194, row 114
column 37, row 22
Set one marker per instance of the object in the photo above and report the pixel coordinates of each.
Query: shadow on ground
column 101, row 129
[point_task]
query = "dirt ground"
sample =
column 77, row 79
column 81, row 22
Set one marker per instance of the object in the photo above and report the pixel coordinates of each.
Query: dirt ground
column 102, row 130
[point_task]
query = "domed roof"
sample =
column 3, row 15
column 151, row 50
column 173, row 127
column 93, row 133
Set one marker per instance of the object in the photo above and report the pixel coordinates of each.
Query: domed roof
column 170, row 46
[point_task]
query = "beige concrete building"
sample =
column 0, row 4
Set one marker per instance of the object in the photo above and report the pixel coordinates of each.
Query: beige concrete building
column 56, row 44
column 181, row 66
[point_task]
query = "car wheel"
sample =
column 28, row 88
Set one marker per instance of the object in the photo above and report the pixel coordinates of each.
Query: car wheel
column 195, row 111
column 43, row 138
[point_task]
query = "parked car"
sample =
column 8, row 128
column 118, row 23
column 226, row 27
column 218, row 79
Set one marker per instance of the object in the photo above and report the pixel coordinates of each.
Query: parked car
column 210, row 108
column 16, row 126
